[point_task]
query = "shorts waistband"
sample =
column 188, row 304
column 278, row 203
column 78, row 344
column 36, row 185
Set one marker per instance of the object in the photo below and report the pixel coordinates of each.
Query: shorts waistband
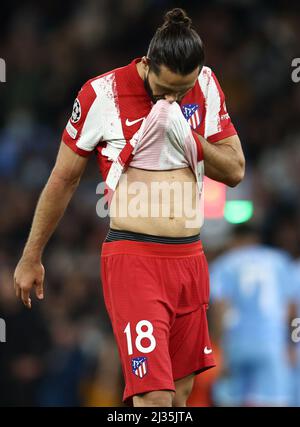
column 114, row 235
column 152, row 249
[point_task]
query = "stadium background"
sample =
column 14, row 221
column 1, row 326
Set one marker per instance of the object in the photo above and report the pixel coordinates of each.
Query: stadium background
column 62, row 351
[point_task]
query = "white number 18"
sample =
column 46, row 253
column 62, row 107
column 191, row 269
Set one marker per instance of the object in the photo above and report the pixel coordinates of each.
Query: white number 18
column 140, row 335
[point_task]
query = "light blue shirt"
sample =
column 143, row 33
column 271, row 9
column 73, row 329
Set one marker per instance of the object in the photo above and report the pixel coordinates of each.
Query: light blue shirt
column 257, row 283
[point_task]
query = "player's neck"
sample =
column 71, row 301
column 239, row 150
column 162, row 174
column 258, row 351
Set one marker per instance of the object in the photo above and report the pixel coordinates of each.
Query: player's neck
column 140, row 70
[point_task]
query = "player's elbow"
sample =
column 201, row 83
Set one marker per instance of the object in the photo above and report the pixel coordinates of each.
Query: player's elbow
column 62, row 180
column 237, row 174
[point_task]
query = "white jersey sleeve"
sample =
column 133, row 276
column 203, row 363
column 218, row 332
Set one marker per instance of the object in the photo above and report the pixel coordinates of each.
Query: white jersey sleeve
column 84, row 129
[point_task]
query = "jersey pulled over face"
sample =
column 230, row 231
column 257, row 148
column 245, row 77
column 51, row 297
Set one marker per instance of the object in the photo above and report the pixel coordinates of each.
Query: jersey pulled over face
column 110, row 109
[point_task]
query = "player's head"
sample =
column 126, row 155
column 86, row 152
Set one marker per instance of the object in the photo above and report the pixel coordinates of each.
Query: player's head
column 174, row 59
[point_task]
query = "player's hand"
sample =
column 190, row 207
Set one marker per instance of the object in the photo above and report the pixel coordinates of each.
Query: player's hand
column 29, row 274
column 165, row 118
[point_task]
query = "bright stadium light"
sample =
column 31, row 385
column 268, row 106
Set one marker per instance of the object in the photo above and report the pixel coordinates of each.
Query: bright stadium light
column 214, row 199
column 238, row 211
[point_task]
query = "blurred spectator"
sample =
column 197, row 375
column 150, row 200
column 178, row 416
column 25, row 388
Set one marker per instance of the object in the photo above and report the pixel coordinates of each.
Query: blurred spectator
column 22, row 357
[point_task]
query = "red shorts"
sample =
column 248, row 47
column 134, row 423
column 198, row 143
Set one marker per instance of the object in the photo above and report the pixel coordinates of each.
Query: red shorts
column 156, row 296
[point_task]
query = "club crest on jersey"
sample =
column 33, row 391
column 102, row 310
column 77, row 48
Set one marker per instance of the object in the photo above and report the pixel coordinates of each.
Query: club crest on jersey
column 76, row 113
column 192, row 115
column 139, row 366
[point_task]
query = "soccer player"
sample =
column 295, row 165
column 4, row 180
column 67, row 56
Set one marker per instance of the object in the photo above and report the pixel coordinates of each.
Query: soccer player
column 252, row 292
column 156, row 121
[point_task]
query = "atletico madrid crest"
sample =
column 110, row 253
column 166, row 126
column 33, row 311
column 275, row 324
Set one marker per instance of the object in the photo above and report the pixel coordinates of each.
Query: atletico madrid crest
column 192, row 114
column 139, row 366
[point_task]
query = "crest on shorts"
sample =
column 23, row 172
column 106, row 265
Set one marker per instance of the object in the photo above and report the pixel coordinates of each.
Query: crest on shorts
column 76, row 113
column 192, row 115
column 139, row 366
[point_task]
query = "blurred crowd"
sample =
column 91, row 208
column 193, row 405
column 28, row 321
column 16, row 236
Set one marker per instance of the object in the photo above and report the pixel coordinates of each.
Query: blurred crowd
column 62, row 352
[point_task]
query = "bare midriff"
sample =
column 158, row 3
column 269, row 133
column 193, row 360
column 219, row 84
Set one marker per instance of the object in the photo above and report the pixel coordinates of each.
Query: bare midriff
column 161, row 203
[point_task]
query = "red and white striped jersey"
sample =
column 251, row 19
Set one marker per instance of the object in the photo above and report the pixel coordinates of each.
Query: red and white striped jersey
column 109, row 110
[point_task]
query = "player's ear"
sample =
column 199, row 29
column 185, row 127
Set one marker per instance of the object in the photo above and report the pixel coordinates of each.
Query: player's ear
column 146, row 62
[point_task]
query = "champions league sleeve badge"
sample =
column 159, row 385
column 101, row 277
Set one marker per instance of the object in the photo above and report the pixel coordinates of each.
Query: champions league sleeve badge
column 76, row 113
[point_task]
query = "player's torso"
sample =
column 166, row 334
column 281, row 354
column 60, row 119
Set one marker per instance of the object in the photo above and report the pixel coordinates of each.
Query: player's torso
column 258, row 304
column 163, row 202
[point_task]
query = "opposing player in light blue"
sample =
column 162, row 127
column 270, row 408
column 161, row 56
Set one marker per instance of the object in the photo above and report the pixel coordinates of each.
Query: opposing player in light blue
column 252, row 291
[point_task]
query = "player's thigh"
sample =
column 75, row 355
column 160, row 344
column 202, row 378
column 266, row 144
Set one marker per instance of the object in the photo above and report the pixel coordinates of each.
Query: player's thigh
column 141, row 323
column 190, row 346
column 271, row 385
column 229, row 390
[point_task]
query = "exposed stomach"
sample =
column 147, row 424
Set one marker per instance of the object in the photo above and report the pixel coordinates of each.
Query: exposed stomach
column 162, row 203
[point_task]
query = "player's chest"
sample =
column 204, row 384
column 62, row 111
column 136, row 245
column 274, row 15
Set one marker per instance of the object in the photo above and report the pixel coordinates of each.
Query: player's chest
column 123, row 119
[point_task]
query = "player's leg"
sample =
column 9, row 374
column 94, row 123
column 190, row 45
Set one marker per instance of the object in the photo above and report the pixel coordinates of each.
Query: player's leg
column 141, row 312
column 228, row 391
column 159, row 398
column 183, row 390
column 190, row 346
column 190, row 351
column 270, row 385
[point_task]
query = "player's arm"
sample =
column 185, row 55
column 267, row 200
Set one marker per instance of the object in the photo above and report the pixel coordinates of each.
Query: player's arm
column 221, row 149
column 224, row 160
column 81, row 135
column 51, row 206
